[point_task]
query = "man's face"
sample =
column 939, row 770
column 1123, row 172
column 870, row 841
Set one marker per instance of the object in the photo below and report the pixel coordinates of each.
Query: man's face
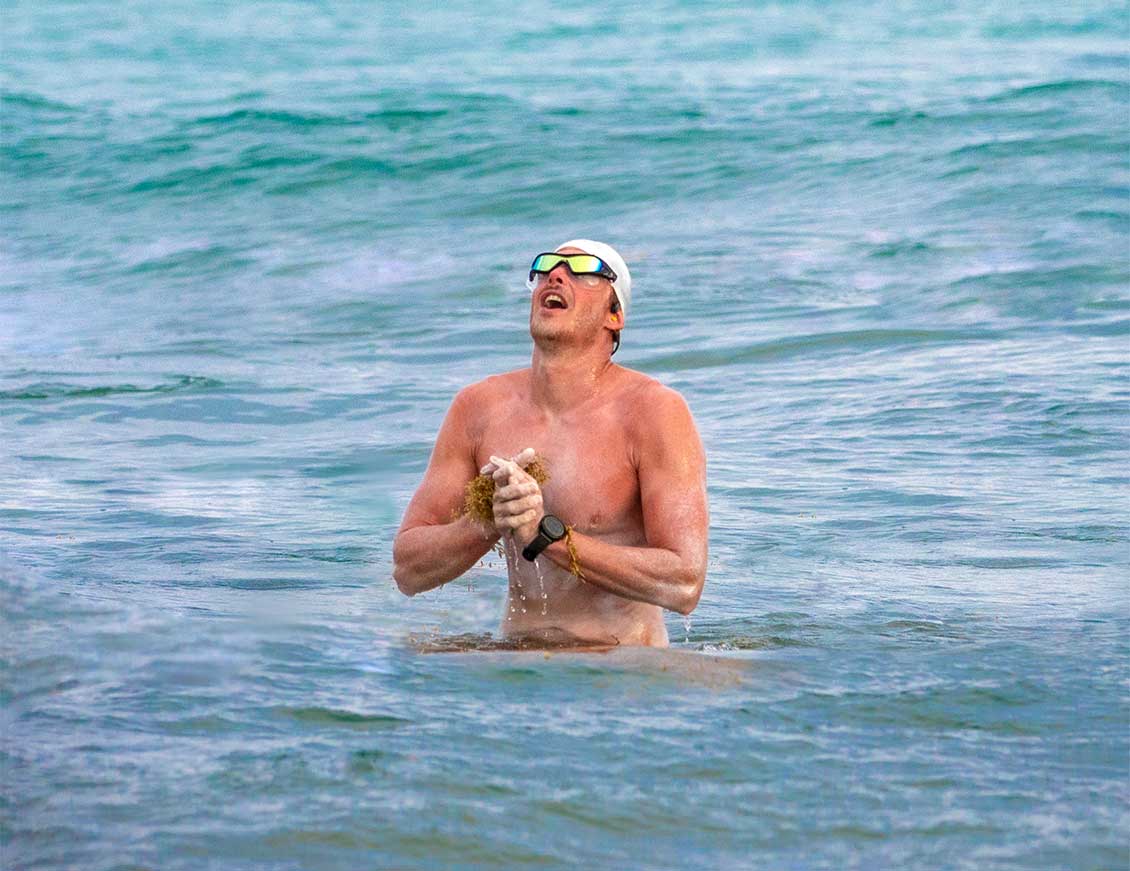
column 566, row 308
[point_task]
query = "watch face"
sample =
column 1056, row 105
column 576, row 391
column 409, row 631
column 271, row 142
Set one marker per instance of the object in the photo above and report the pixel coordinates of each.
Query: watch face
column 552, row 527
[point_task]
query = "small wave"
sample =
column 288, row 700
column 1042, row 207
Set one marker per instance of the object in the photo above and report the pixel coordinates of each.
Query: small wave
column 890, row 119
column 340, row 717
column 1059, row 88
column 392, row 118
column 196, row 180
column 255, row 166
column 1119, row 327
column 171, row 439
column 919, row 629
column 353, row 555
column 242, row 118
column 333, row 172
column 901, row 497
column 1081, row 275
column 1088, row 143
column 48, row 390
column 1121, row 220
column 899, row 249
column 28, row 100
column 273, row 583
column 1086, row 532
column 195, row 262
column 1002, row 563
column 852, row 340
column 1035, row 27
column 972, row 708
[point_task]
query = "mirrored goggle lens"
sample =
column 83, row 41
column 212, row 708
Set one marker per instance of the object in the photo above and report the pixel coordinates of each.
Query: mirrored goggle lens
column 588, row 268
column 578, row 264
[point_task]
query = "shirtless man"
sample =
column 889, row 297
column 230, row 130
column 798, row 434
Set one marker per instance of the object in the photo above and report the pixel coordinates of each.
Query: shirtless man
column 627, row 474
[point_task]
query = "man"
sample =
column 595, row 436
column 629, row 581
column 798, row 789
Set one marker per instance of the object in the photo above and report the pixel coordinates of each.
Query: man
column 627, row 475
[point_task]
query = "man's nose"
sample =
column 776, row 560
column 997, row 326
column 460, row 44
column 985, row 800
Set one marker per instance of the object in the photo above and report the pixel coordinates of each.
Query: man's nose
column 561, row 276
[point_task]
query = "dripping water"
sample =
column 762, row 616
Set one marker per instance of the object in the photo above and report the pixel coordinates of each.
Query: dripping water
column 541, row 586
column 510, row 552
column 512, row 570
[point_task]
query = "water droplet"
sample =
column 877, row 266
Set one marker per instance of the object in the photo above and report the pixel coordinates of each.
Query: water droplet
column 541, row 584
column 686, row 628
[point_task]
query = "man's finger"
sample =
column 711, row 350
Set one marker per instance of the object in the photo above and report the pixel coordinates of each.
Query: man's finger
column 521, row 459
column 518, row 506
column 519, row 520
column 511, row 477
column 503, row 469
column 528, row 517
column 515, row 491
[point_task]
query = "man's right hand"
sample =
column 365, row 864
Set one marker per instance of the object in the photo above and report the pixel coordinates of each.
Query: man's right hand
column 518, row 505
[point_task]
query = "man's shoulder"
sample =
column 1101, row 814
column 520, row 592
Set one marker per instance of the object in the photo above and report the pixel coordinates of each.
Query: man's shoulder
column 658, row 421
column 491, row 389
column 649, row 396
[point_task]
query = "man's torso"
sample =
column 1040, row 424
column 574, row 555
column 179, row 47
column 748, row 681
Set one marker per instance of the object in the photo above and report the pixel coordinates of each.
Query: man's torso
column 593, row 487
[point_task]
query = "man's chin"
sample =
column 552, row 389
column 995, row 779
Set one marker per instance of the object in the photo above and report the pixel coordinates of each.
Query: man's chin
column 548, row 333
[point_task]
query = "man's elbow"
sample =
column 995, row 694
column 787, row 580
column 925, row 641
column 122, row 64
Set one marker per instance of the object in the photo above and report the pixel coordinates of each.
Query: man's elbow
column 687, row 602
column 404, row 580
column 407, row 580
column 689, row 592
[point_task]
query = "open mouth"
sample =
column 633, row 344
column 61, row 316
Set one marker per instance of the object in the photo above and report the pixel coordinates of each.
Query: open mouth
column 553, row 300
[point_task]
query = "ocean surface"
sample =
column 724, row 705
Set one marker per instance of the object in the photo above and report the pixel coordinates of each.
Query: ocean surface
column 250, row 251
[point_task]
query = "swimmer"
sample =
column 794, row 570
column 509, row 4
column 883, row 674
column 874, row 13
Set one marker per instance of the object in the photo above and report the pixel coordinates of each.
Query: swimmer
column 618, row 533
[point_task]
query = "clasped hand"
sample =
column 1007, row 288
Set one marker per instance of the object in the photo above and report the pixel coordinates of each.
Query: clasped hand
column 518, row 503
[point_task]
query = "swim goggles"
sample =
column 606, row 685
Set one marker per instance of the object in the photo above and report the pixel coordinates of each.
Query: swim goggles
column 587, row 268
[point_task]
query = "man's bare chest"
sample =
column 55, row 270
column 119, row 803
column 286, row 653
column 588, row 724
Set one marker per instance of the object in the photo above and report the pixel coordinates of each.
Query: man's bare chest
column 593, row 483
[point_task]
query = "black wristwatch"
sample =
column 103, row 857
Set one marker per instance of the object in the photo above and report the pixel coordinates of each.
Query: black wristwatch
column 550, row 529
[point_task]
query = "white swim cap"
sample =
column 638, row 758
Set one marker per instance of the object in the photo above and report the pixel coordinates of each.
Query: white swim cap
column 623, row 283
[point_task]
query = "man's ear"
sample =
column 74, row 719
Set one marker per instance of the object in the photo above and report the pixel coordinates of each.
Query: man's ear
column 614, row 321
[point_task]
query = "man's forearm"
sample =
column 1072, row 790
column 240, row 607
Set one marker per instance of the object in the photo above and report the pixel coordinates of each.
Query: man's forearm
column 646, row 574
column 426, row 557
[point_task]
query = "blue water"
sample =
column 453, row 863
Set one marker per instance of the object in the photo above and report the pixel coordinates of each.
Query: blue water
column 249, row 252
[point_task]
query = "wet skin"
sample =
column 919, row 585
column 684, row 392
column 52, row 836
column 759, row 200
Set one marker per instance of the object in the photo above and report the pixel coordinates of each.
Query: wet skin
column 627, row 472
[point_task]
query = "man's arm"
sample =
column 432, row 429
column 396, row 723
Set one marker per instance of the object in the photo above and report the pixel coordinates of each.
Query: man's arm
column 671, row 570
column 432, row 548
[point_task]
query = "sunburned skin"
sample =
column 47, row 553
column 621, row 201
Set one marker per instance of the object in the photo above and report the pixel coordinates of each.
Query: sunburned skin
column 594, row 487
column 627, row 473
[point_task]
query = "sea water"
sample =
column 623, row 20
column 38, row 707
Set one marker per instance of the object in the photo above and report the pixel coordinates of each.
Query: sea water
column 249, row 252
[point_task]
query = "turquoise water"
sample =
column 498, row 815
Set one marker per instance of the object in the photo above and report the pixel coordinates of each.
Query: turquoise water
column 249, row 253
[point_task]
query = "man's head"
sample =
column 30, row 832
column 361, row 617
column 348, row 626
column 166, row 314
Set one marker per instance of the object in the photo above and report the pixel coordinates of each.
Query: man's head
column 579, row 296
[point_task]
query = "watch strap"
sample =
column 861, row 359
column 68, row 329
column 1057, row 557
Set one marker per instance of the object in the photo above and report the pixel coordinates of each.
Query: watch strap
column 541, row 542
column 545, row 537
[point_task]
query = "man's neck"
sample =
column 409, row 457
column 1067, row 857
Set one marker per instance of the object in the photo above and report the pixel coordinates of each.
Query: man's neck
column 566, row 378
